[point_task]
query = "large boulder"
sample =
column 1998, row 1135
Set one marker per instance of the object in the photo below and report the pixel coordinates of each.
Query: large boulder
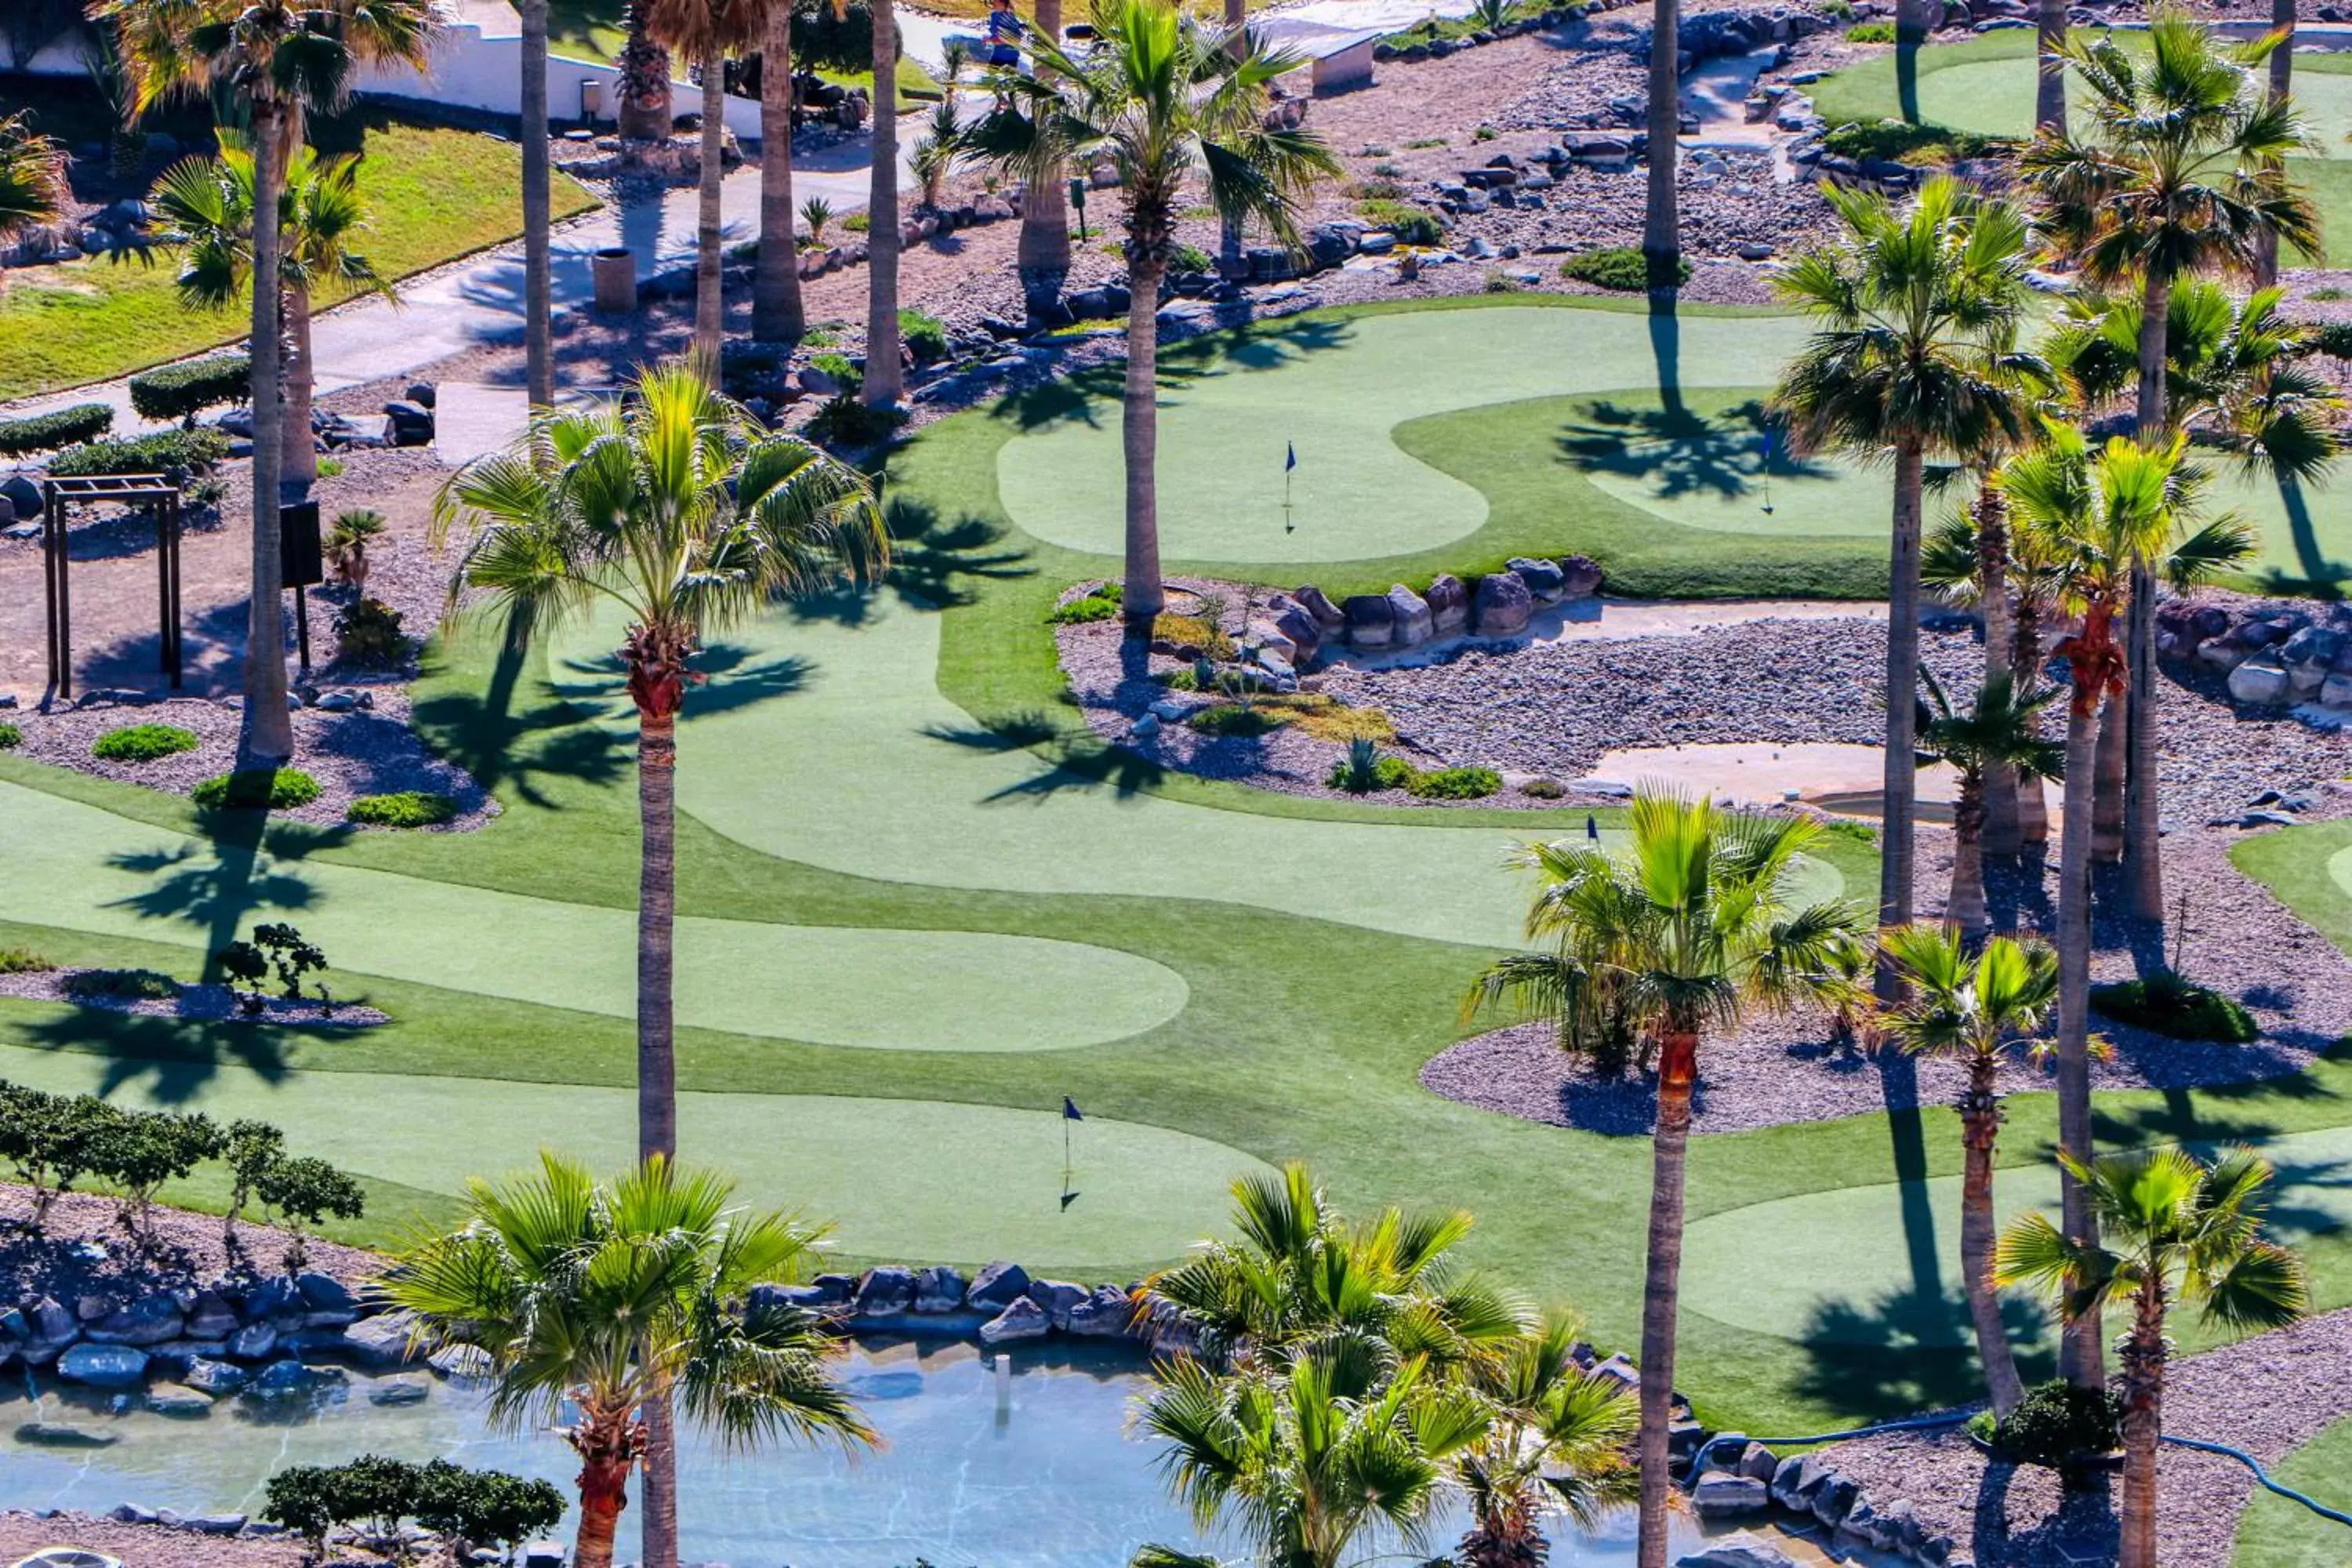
column 104, row 1366
column 1758, row 1463
column 1023, row 1320
column 1547, row 584
column 381, row 1342
column 149, row 1320
column 212, row 1317
column 291, row 1379
column 1796, row 1479
column 1058, row 1297
column 407, row 424
column 1501, row 607
column 1722, row 1495
column 1449, row 605
column 2260, row 682
column 1317, row 603
column 2309, row 654
column 997, row 1287
column 885, row 1292
column 940, row 1289
column 1105, row 1313
column 325, row 1293
column 1271, row 639
column 1834, row 1498
column 178, row 1399
column 255, row 1341
column 23, row 494
column 1580, row 576
column 1410, row 619
column 215, row 1378
column 1304, row 630
column 1371, row 621
column 1741, row 1550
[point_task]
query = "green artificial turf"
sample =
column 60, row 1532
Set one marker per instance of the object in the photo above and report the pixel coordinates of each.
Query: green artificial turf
column 2275, row 1532
column 2310, row 870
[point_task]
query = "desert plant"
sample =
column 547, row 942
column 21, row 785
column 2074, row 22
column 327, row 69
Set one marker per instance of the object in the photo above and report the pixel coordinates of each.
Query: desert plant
column 816, row 211
column 367, row 631
column 1621, row 267
column 142, row 742
column 346, row 545
column 33, row 189
column 1358, row 773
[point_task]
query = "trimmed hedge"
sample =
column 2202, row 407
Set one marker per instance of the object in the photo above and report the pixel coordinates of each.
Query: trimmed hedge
column 1623, row 268
column 408, row 809
column 142, row 742
column 184, row 390
column 166, row 452
column 256, row 789
column 58, row 427
column 2167, row 1004
column 11, row 737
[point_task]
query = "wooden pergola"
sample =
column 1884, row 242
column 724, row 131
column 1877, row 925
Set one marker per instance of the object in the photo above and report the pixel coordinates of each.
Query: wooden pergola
column 161, row 499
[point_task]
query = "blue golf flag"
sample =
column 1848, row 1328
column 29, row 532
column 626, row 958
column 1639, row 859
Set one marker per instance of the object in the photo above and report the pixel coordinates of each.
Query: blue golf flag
column 1290, row 456
column 1070, row 1110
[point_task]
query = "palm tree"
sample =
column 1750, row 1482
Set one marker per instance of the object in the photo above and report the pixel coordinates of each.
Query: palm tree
column 537, row 212
column 208, row 203
column 885, row 378
column 777, row 313
column 2282, row 63
column 280, row 60
column 1972, row 1008
column 674, row 509
column 1164, row 101
column 1555, row 1442
column 643, row 112
column 707, row 32
column 2183, row 1231
column 1043, row 256
column 938, row 151
column 2001, row 730
column 1661, row 220
column 32, row 177
column 1707, row 936
column 1920, row 306
column 2050, row 67
column 2094, row 518
column 2182, row 174
column 590, row 1297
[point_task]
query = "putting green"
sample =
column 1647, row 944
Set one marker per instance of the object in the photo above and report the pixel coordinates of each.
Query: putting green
column 904, row 1178
column 85, row 869
column 1759, row 1267
column 2275, row 1532
column 1335, row 393
column 1705, row 465
column 2339, row 867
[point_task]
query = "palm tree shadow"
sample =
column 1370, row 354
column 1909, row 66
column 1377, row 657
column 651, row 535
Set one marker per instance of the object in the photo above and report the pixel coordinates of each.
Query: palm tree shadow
column 1679, row 450
column 172, row 1061
column 1908, row 1350
column 1898, row 1073
column 928, row 554
column 523, row 749
column 2321, row 576
column 215, row 893
column 1089, row 397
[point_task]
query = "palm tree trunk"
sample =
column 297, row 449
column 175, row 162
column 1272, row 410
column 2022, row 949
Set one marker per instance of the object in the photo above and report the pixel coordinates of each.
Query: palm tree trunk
column 603, row 1493
column 1981, row 1127
column 643, row 112
column 2143, row 807
column 300, row 451
column 2108, row 768
column 885, row 381
column 1229, row 233
column 2025, row 669
column 266, row 733
column 538, row 289
column 2142, row 1423
column 710, row 306
column 1661, row 226
column 1141, row 597
column 777, row 313
column 656, row 915
column 660, row 1465
column 2080, row 1358
column 1901, row 772
column 2050, row 80
column 2282, row 62
column 1662, row 1285
column 1965, row 905
column 2001, row 832
column 1045, row 254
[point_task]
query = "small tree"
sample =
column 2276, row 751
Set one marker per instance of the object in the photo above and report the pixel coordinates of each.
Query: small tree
column 346, row 546
column 301, row 1498
column 250, row 1148
column 301, row 1194
column 290, row 956
column 139, row 1151
column 485, row 1507
column 49, row 1142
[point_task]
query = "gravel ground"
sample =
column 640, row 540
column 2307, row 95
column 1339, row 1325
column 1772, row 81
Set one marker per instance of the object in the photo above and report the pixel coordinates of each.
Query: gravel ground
column 141, row 1546
column 2266, row 1394
column 186, row 1249
column 196, row 1004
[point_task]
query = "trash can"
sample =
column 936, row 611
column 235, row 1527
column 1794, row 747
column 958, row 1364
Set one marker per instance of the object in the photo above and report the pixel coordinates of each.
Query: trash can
column 615, row 271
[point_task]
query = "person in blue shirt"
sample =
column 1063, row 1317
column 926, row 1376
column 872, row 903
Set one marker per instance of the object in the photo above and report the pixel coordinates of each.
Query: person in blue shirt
column 1004, row 30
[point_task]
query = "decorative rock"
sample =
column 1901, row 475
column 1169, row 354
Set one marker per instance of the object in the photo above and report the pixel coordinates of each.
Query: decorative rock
column 216, row 1378
column 463, row 1363
column 1796, row 1480
column 1105, row 1313
column 325, row 1293
column 1547, row 584
column 253, row 1342
column 1264, row 635
column 1759, row 1463
column 883, row 1291
column 1371, row 621
column 1835, row 1500
column 63, row 1435
column 104, row 1366
column 2260, row 682
column 212, row 1317
column 1739, row 1552
column 543, row 1554
column 1317, row 603
column 1302, row 628
column 1728, row 1497
column 286, row 1379
column 1023, row 1320
column 1580, row 576
column 997, row 1286
column 1449, row 605
column 150, row 1321
column 1145, row 727
column 1501, row 605
column 1409, row 620
column 2336, row 691
column 224, row 1524
column 1058, row 1297
column 939, row 1290
column 400, row 1390
column 130, row 1513
column 177, row 1399
column 382, row 1341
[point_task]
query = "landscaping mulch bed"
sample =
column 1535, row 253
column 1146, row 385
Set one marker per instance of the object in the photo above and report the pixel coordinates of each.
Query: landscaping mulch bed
column 200, row 1003
column 140, row 1545
column 83, row 1249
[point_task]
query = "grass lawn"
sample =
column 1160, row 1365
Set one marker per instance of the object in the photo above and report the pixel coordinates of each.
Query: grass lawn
column 885, row 807
column 433, row 194
column 2276, row 1534
column 1986, row 85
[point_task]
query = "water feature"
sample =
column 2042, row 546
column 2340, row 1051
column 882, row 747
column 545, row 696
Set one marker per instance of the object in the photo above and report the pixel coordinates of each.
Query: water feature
column 1033, row 1470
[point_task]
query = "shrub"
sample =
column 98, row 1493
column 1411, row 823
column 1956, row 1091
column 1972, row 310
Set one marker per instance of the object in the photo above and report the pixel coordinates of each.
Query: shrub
column 925, row 335
column 299, row 1194
column 1358, row 773
column 256, row 789
column 408, row 809
column 11, row 737
column 2332, row 339
column 858, row 223
column 1193, row 632
column 1498, row 282
column 475, row 1508
column 274, row 946
column 367, row 631
column 1232, row 720
column 121, row 984
column 1455, row 783
column 842, row 421
column 173, row 453
column 1910, row 143
column 2057, row 1425
column 136, row 1152
column 1484, row 133
column 1410, row 224
column 1328, row 719
column 1190, row 259
column 842, row 369
column 23, row 960
column 1871, row 33
column 331, row 467
column 1543, row 789
column 183, row 391
column 49, row 1140
column 1623, row 268
column 485, row 1507
column 2172, row 1006
column 1100, row 604
column 59, row 427
column 1393, row 772
column 142, row 742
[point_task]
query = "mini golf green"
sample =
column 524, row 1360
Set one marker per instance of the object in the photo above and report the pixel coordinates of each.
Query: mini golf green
column 2309, row 868
column 2275, row 1532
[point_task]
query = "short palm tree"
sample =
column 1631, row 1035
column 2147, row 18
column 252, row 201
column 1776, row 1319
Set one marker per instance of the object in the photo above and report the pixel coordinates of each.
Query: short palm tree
column 643, row 112
column 208, row 205
column 280, row 60
column 1555, row 1443
column 1999, row 730
column 591, row 1298
column 1919, row 308
column 1164, row 101
column 675, row 508
column 2179, row 173
column 1707, row 934
column 32, row 177
column 2179, row 1231
column 707, row 32
column 2090, row 516
column 1972, row 1008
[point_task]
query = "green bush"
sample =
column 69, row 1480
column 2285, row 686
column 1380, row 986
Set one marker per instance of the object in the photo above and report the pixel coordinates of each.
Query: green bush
column 1191, row 259
column 256, row 789
column 1410, row 224
column 2056, row 1425
column 58, row 427
column 169, row 452
column 1100, row 604
column 185, row 390
column 1910, row 143
column 1455, row 783
column 408, row 809
column 925, row 335
column 1232, row 720
column 129, row 984
column 367, row 631
column 843, row 421
column 842, row 369
column 1871, row 33
column 23, row 960
column 1623, row 268
column 2331, row 338
column 11, row 737
column 1543, row 789
column 2171, row 1006
column 142, row 742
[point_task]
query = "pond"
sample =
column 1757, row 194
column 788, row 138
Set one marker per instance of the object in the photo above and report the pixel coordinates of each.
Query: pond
column 1033, row 1469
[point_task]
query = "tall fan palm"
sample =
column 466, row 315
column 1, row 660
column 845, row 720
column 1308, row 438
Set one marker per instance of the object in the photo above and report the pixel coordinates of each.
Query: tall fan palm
column 673, row 508
column 885, row 378
column 279, row 60
column 1972, row 1008
column 707, row 32
column 1164, row 101
column 2094, row 517
column 2180, row 174
column 32, row 177
column 591, row 1297
column 643, row 112
column 1920, row 306
column 1707, row 936
column 208, row 205
column 2001, row 730
column 1043, row 256
column 2181, row 1231
column 538, row 212
column 777, row 312
column 1661, row 216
